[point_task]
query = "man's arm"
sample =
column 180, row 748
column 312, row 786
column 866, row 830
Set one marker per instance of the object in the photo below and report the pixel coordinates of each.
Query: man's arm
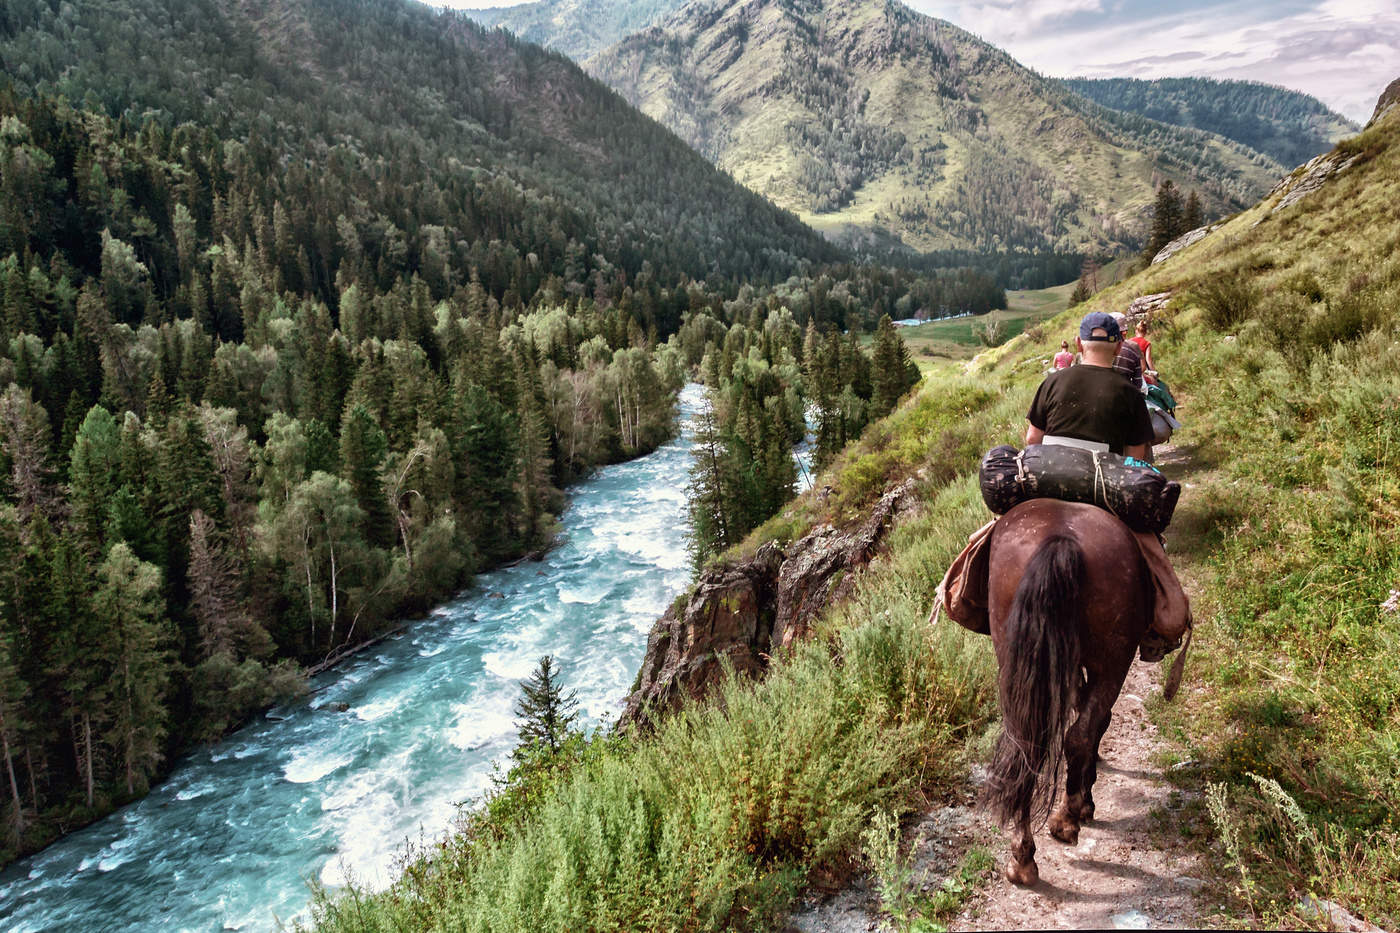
column 1034, row 435
column 1140, row 451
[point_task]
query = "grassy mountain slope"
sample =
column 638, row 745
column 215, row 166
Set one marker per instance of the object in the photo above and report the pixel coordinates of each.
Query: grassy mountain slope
column 1288, row 126
column 524, row 148
column 1286, row 531
column 864, row 116
column 578, row 28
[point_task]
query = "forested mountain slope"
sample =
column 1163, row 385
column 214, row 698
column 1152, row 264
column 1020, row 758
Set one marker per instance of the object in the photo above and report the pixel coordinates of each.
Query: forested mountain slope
column 456, row 146
column 863, row 115
column 1288, row 126
column 578, row 28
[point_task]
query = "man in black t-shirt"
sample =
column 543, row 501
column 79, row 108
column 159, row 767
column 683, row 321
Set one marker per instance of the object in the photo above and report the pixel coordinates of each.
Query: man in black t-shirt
column 1092, row 403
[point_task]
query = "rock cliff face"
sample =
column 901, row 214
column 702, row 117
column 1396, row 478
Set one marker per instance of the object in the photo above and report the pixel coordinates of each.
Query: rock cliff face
column 743, row 613
column 1388, row 99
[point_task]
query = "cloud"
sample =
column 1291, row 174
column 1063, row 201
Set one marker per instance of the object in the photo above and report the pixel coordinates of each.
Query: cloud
column 1340, row 51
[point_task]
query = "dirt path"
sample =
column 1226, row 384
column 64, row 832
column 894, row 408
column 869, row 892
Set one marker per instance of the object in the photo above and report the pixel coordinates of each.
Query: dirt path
column 1129, row 870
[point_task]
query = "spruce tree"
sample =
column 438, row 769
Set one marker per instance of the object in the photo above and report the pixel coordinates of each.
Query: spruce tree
column 545, row 712
column 1194, row 215
column 1167, row 219
column 135, row 635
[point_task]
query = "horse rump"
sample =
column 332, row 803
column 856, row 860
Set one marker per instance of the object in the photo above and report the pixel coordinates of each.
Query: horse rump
column 1038, row 682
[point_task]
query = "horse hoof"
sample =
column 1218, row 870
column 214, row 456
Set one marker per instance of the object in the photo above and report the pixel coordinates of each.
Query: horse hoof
column 1086, row 812
column 1066, row 831
column 1023, row 875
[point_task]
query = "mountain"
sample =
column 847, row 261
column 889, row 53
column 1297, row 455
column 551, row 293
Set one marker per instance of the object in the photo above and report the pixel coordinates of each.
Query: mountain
column 1288, row 126
column 578, row 28
column 866, row 118
column 436, row 129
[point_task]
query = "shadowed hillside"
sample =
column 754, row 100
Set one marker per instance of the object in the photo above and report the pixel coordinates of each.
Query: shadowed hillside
column 1288, row 126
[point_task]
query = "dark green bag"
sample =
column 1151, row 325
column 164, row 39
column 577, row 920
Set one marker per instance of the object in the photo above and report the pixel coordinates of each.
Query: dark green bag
column 1143, row 498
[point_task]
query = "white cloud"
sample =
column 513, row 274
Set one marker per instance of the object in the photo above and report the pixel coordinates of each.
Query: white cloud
column 1342, row 51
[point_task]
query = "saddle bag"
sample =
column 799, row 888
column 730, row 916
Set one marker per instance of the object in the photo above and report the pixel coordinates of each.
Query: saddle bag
column 1143, row 498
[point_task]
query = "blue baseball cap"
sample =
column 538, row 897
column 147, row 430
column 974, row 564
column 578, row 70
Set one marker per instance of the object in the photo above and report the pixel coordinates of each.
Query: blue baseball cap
column 1098, row 320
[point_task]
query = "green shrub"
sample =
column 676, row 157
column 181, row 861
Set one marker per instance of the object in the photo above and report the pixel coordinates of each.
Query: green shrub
column 1227, row 300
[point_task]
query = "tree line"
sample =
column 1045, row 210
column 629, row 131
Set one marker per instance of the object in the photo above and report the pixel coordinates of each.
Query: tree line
column 767, row 382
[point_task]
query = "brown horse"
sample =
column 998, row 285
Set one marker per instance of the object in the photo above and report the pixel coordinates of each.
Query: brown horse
column 1068, row 601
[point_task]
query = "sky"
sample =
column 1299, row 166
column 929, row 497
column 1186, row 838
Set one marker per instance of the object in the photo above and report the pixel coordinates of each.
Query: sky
column 1343, row 52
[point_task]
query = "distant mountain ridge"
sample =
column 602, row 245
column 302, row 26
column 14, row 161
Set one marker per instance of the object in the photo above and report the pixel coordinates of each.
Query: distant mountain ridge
column 870, row 120
column 1289, row 126
column 578, row 28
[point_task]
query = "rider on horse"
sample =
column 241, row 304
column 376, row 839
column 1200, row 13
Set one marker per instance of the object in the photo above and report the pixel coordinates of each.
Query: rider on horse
column 1090, row 406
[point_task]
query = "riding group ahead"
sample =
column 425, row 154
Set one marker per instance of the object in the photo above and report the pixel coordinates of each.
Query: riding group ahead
column 1072, row 580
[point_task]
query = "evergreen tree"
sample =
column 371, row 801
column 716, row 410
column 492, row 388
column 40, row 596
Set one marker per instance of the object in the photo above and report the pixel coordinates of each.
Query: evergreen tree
column 362, row 450
column 1167, row 219
column 1193, row 215
column 127, row 601
column 889, row 368
column 544, row 712
column 93, row 473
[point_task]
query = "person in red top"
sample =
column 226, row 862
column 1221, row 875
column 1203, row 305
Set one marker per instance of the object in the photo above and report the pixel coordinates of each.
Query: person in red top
column 1140, row 338
column 1064, row 359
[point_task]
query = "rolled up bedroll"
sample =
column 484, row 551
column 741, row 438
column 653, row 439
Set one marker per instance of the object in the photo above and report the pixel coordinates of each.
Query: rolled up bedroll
column 1143, row 498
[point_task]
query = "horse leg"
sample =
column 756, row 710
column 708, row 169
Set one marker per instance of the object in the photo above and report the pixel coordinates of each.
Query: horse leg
column 1080, row 746
column 1104, row 715
column 1023, row 870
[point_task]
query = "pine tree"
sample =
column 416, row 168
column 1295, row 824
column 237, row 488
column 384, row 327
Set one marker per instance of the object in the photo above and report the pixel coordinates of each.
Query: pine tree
column 362, row 451
column 888, row 368
column 93, row 473
column 1194, row 215
column 544, row 711
column 1167, row 219
column 128, row 602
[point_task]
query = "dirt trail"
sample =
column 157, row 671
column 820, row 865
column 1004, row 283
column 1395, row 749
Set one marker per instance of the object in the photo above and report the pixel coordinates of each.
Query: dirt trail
column 1129, row 870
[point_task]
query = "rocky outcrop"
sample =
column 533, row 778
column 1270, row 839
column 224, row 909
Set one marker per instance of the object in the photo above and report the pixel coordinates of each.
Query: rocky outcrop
column 1145, row 306
column 1183, row 241
column 739, row 614
column 1388, row 99
column 1308, row 179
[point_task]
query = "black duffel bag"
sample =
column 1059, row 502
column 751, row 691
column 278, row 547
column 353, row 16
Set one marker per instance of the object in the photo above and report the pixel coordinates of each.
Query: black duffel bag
column 1143, row 498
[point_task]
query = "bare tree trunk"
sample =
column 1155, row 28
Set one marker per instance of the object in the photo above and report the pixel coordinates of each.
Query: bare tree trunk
column 14, row 783
column 87, row 756
column 33, row 781
column 335, row 592
column 310, row 590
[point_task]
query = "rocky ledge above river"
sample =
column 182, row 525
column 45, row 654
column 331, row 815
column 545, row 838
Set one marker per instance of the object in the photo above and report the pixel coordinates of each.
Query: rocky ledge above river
column 744, row 611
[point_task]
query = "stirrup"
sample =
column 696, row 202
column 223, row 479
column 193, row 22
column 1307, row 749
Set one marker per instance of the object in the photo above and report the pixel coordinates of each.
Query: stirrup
column 1155, row 646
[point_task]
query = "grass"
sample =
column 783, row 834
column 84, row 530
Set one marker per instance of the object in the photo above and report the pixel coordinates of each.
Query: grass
column 717, row 820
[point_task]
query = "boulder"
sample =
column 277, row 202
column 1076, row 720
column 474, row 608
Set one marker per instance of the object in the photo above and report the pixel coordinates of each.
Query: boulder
column 740, row 613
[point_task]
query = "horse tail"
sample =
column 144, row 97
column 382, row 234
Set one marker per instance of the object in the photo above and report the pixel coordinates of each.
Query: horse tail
column 1038, row 684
